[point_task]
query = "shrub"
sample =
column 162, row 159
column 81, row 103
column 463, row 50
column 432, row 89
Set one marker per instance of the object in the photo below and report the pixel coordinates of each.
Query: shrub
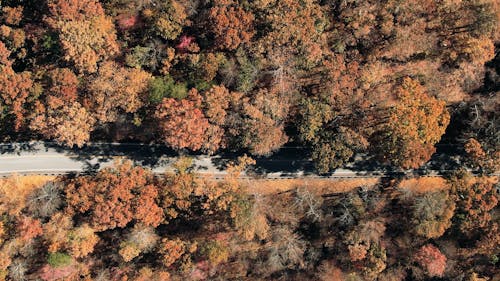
column 166, row 87
column 59, row 259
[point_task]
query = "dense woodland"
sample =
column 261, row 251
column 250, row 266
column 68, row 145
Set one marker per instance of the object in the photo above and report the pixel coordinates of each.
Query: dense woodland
column 382, row 78
column 124, row 223
column 388, row 79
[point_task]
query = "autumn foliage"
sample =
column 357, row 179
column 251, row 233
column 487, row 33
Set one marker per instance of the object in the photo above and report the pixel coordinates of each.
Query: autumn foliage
column 86, row 34
column 431, row 260
column 414, row 125
column 182, row 124
column 340, row 79
column 15, row 88
column 308, row 87
column 116, row 89
column 231, row 24
column 115, row 198
column 476, row 198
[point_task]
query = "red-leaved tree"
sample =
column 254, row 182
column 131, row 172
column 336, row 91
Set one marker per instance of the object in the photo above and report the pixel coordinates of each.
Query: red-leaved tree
column 431, row 260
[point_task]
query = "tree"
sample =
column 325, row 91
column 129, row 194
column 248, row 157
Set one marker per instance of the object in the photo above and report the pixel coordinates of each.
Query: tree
column 139, row 240
column 286, row 250
column 62, row 87
column 115, row 197
column 221, row 108
column 309, row 204
column 15, row 88
column 468, row 29
column 479, row 120
column 87, row 42
column 475, row 197
column 70, row 124
column 184, row 195
column 5, row 262
column 29, row 228
column 333, row 145
column 215, row 252
column 432, row 214
column 263, row 123
column 166, row 87
column 57, row 114
column 216, row 101
column 12, row 15
column 336, row 147
column 82, row 240
column 59, row 259
column 262, row 135
column 181, row 123
column 68, row 10
column 364, row 238
column 329, row 272
column 231, row 24
column 414, row 125
column 177, row 189
column 466, row 48
column 55, row 232
column 249, row 217
column 474, row 150
column 298, row 25
column 173, row 250
column 117, row 89
column 169, row 17
column 50, row 273
column 18, row 270
column 86, row 34
column 4, row 55
column 147, row 274
column 46, row 200
column 431, row 260
column 61, row 235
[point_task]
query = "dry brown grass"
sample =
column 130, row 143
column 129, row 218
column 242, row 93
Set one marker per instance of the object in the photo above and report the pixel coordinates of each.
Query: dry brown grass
column 424, row 184
column 318, row 186
column 15, row 189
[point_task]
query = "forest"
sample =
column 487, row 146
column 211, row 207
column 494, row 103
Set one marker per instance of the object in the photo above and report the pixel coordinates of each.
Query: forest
column 124, row 223
column 386, row 79
column 392, row 81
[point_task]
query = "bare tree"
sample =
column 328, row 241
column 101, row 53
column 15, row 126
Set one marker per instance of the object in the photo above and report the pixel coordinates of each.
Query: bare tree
column 139, row 240
column 45, row 200
column 308, row 203
column 286, row 250
column 17, row 270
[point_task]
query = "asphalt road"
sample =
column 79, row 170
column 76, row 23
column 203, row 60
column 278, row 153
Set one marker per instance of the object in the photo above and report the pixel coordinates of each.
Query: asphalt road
column 49, row 158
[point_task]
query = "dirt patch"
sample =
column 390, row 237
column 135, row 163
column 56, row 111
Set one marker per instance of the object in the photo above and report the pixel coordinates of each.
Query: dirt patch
column 318, row 186
column 424, row 184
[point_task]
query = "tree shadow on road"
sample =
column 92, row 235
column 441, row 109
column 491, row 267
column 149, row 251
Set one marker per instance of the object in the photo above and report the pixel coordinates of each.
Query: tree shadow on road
column 141, row 154
column 18, row 148
column 288, row 161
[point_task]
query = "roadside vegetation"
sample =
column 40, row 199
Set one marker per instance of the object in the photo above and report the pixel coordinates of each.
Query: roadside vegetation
column 389, row 79
column 393, row 81
column 124, row 223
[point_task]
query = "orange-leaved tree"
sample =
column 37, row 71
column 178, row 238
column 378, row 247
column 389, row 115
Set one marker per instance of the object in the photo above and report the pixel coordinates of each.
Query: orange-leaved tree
column 116, row 89
column 86, row 34
column 58, row 115
column 115, row 197
column 181, row 123
column 476, row 197
column 15, row 88
column 414, row 125
column 231, row 24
